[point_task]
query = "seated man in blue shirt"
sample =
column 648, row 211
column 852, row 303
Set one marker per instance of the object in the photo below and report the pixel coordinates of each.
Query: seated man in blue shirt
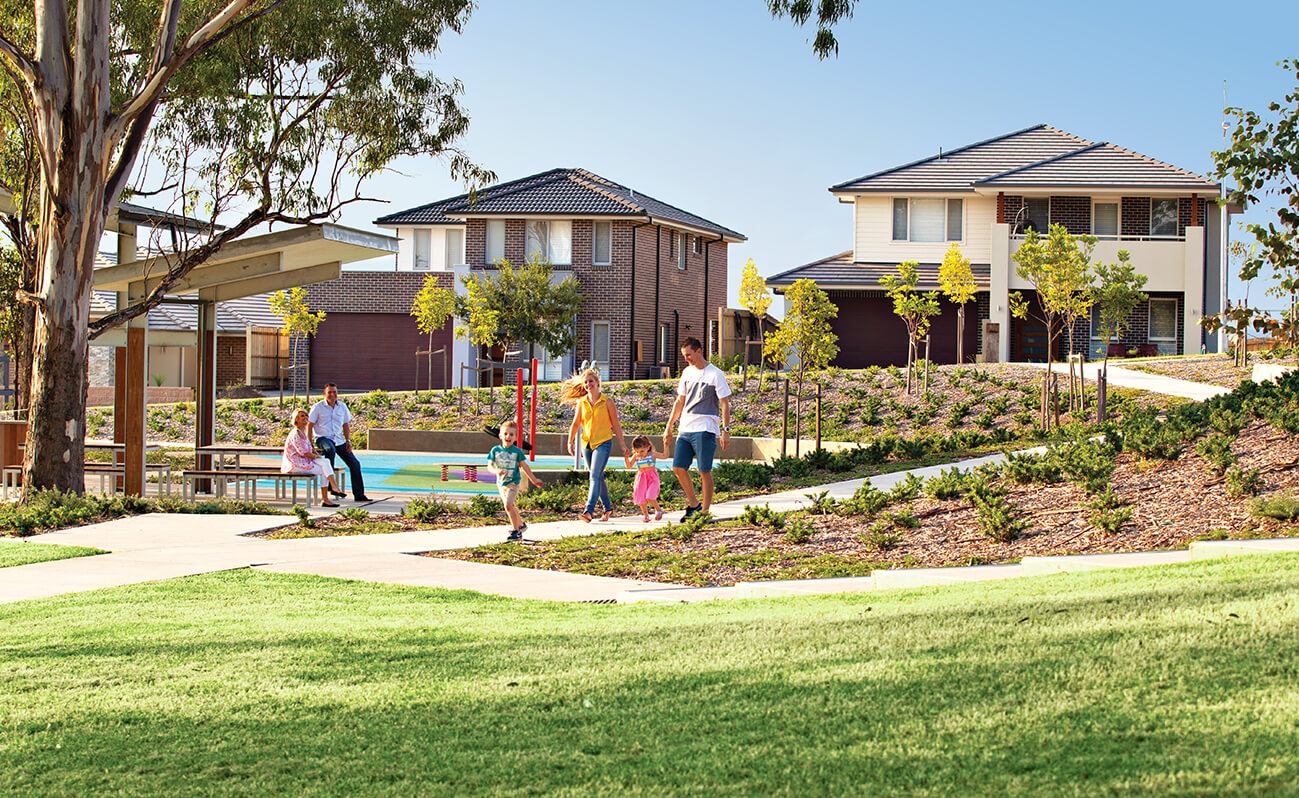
column 329, row 425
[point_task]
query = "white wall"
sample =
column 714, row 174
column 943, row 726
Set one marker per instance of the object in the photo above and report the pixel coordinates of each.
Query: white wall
column 1164, row 262
column 873, row 233
column 437, row 247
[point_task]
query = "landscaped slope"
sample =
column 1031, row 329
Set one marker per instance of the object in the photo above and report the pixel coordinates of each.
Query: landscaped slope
column 1179, row 679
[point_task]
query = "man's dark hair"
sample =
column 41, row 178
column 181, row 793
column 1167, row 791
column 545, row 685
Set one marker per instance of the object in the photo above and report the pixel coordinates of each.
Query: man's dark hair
column 331, row 385
column 691, row 342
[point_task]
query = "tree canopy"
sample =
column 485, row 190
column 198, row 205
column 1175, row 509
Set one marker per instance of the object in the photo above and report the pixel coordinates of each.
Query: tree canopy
column 527, row 306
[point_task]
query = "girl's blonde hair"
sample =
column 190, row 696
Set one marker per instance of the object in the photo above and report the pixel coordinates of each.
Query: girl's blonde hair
column 573, row 389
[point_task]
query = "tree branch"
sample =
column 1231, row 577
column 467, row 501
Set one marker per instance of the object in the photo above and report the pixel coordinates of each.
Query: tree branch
column 21, row 62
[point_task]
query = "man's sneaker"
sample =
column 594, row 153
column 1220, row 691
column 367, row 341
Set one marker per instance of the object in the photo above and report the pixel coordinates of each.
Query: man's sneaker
column 523, row 529
column 691, row 511
column 516, row 534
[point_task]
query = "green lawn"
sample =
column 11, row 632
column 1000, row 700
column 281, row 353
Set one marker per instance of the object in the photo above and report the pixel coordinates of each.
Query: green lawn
column 1176, row 680
column 19, row 552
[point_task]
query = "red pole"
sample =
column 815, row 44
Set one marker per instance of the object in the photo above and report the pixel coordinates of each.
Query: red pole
column 532, row 424
column 518, row 403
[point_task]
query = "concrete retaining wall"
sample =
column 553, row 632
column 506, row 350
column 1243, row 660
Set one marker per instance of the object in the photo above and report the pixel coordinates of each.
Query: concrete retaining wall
column 422, row 440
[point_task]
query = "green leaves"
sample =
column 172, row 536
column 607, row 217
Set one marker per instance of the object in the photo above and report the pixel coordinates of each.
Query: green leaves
column 805, row 333
column 521, row 306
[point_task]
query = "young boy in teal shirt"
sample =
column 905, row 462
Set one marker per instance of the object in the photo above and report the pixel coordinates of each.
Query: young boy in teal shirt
column 508, row 462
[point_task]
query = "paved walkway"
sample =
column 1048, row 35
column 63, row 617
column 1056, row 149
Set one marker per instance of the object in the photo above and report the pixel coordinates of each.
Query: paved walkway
column 1156, row 383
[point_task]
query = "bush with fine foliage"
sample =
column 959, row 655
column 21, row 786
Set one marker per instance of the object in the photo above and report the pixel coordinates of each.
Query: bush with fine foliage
column 54, row 509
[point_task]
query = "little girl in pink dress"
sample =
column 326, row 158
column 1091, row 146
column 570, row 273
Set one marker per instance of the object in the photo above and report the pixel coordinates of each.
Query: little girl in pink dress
column 645, row 490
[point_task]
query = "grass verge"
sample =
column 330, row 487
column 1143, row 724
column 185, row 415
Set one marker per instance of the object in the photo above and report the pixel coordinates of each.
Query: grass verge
column 1171, row 680
column 21, row 552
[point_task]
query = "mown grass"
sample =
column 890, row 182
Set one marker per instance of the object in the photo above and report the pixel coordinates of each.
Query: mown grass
column 1175, row 680
column 21, row 552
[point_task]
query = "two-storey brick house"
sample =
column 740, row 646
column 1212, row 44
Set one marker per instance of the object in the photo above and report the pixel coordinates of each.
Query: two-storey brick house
column 984, row 197
column 651, row 274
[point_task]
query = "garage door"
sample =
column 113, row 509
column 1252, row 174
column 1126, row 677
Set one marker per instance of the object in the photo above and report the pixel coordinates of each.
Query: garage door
column 364, row 351
column 870, row 334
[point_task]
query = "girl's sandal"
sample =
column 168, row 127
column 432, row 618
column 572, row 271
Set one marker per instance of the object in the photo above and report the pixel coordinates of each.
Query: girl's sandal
column 658, row 516
column 586, row 517
column 644, row 519
column 607, row 515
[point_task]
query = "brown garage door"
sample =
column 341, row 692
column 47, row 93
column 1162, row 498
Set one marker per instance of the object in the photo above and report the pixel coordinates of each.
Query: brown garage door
column 364, row 351
column 871, row 335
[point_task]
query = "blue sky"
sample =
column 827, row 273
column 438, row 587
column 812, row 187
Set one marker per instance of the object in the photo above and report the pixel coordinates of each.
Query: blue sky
column 719, row 109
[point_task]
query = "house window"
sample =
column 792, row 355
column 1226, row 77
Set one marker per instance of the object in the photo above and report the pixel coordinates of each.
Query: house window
column 1105, row 219
column 423, row 249
column 665, row 342
column 455, row 248
column 600, row 348
column 696, row 244
column 602, row 244
column 550, row 368
column 1036, row 214
column 551, row 241
column 681, row 252
column 1163, row 217
column 1163, row 325
column 927, row 220
column 495, row 240
column 899, row 220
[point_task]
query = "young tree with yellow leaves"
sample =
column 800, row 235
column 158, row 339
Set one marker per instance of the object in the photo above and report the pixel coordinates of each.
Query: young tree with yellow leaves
column 956, row 278
column 755, row 297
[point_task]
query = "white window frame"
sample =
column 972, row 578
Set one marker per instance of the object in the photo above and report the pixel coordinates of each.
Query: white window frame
column 696, row 244
column 1118, row 219
column 665, row 342
column 1177, row 217
column 682, row 249
column 549, row 248
column 421, row 247
column 499, row 254
column 595, row 261
column 602, row 366
column 947, row 237
column 1150, row 328
column 456, row 257
column 1097, row 340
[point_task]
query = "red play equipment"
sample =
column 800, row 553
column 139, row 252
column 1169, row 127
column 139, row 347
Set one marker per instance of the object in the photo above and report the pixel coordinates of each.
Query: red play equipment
column 519, row 378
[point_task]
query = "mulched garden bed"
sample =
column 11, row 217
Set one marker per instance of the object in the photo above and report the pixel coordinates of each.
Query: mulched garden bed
column 1173, row 503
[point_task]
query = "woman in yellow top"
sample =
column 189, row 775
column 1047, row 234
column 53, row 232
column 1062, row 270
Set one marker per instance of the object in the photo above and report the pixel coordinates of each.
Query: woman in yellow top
column 596, row 417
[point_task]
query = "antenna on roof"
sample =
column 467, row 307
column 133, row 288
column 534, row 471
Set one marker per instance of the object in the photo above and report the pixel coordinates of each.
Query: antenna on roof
column 940, row 153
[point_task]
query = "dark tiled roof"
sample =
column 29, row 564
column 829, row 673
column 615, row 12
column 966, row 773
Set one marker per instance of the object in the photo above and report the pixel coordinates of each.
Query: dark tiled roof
column 559, row 192
column 839, row 271
column 1037, row 157
column 958, row 169
column 1101, row 166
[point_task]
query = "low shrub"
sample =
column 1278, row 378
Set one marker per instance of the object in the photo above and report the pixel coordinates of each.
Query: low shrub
column 686, row 530
column 880, row 536
column 1242, row 482
column 791, row 467
column 906, row 489
column 556, row 498
column 426, row 509
column 948, row 484
column 762, row 516
column 1216, row 451
column 1283, row 506
column 818, row 459
column 1109, row 512
column 729, row 473
column 798, row 531
column 998, row 518
column 1146, row 436
column 821, row 503
column 905, row 519
column 1029, row 468
column 911, row 448
column 485, row 506
column 354, row 513
column 1088, row 463
column 54, row 509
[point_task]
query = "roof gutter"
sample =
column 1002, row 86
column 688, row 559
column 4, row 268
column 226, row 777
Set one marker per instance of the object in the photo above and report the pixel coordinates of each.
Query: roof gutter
column 735, row 238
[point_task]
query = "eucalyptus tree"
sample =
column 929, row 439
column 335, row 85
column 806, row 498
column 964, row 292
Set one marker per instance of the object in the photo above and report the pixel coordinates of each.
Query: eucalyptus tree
column 248, row 112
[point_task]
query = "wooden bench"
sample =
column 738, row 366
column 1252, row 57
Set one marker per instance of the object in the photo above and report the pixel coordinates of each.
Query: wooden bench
column 111, row 471
column 245, row 481
column 470, row 469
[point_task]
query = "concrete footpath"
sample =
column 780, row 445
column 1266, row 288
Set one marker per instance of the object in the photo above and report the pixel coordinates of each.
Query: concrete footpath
column 1145, row 381
column 160, row 546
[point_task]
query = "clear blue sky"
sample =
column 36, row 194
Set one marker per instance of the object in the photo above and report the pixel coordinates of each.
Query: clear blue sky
column 719, row 109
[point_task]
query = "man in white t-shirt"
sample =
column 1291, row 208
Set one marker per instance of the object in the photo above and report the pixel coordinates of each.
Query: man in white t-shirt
column 705, row 415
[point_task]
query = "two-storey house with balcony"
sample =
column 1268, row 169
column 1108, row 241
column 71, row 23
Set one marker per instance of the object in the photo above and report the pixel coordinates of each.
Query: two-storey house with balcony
column 651, row 274
column 984, row 197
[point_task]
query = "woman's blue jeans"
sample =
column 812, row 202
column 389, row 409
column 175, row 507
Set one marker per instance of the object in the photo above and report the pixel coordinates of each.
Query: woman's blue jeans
column 596, row 460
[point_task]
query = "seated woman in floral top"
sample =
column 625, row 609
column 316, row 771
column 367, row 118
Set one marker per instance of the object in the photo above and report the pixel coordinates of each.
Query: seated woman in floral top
column 300, row 457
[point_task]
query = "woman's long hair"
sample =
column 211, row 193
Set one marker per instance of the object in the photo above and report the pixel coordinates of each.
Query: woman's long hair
column 573, row 389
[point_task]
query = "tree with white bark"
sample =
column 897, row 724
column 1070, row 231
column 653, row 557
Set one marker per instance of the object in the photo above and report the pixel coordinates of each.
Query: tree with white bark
column 250, row 112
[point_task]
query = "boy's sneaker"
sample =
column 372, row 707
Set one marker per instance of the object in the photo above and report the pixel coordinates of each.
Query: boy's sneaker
column 515, row 534
column 523, row 529
column 691, row 511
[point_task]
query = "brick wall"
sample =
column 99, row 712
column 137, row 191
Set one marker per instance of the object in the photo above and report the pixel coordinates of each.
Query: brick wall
column 231, row 362
column 1075, row 213
column 1135, row 332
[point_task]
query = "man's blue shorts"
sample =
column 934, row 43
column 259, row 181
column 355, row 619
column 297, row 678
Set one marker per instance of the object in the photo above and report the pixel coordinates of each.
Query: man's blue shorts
column 695, row 445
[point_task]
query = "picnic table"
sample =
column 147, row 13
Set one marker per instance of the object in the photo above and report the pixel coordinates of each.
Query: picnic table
column 236, row 451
